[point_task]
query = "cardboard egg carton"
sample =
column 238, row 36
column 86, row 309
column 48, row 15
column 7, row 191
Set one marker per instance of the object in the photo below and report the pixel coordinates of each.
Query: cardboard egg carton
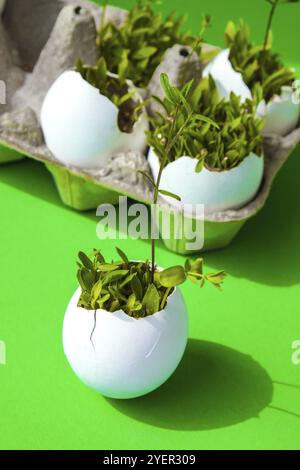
column 39, row 40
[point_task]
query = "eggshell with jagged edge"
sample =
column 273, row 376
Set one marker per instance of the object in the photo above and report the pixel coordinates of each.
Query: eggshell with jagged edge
column 80, row 125
column 281, row 114
column 127, row 357
column 217, row 190
column 226, row 78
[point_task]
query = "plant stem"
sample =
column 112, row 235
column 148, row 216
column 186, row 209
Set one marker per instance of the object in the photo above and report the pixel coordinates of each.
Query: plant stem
column 169, row 145
column 189, row 60
column 274, row 4
column 195, row 47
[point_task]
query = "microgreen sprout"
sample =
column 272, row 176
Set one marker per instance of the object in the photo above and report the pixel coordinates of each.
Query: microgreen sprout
column 262, row 69
column 127, row 285
column 136, row 48
column 116, row 89
column 227, row 134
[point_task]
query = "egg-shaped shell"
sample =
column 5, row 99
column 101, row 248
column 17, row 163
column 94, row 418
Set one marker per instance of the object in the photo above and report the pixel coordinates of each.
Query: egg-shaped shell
column 281, row 114
column 2, row 5
column 81, row 126
column 217, row 190
column 226, row 78
column 127, row 357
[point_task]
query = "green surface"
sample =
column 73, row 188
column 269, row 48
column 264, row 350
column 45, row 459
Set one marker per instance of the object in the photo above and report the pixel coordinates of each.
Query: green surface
column 236, row 388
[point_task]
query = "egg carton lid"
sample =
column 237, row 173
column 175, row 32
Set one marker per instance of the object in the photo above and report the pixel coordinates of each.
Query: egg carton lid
column 39, row 40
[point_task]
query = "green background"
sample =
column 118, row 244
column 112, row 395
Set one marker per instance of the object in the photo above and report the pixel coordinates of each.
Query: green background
column 236, row 387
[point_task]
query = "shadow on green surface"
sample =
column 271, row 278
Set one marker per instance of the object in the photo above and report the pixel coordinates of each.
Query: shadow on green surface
column 214, row 387
column 267, row 248
column 282, row 410
column 31, row 177
column 285, row 384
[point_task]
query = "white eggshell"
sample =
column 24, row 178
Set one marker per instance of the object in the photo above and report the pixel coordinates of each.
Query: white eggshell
column 2, row 5
column 226, row 78
column 217, row 190
column 281, row 114
column 81, row 126
column 131, row 357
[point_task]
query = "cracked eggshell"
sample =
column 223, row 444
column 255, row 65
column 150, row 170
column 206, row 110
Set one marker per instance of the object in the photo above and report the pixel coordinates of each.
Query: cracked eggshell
column 2, row 6
column 281, row 114
column 226, row 78
column 81, row 126
column 131, row 357
column 217, row 190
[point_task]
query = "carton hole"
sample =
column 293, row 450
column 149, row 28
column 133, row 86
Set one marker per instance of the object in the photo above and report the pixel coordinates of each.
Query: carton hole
column 78, row 10
column 184, row 52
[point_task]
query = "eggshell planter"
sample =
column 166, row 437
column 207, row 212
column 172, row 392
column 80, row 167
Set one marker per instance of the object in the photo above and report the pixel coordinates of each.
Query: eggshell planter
column 41, row 55
column 281, row 114
column 127, row 357
column 80, row 125
column 217, row 190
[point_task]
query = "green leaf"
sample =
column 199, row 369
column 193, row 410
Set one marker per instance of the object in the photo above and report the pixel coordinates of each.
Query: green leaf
column 145, row 53
column 168, row 89
column 85, row 260
column 87, row 279
column 151, row 300
column 105, row 267
column 187, row 265
column 104, row 299
column 148, row 177
column 216, row 278
column 101, row 69
column 199, row 166
column 235, row 123
column 96, row 290
column 230, row 31
column 79, row 66
column 169, row 194
column 173, row 277
column 114, row 276
column 127, row 280
column 187, row 88
column 127, row 97
column 123, row 65
column 131, row 302
column 199, row 117
column 99, row 258
column 197, row 266
column 80, row 280
column 122, row 255
column 136, row 287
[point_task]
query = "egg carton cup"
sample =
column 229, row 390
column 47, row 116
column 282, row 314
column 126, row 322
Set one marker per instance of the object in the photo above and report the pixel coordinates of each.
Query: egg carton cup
column 39, row 40
column 220, row 228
